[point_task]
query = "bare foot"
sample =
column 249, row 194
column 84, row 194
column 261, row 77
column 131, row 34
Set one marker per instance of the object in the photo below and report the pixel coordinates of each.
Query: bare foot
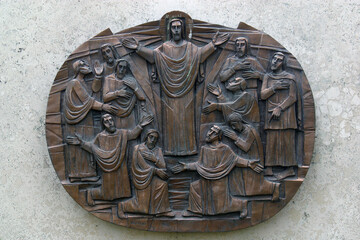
column 166, row 214
column 89, row 198
column 187, row 213
column 121, row 213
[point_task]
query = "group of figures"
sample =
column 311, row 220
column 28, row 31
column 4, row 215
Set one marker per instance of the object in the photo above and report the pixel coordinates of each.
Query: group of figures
column 234, row 136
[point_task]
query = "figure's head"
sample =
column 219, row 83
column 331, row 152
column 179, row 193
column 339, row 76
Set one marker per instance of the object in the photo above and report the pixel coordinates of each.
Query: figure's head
column 121, row 68
column 241, row 46
column 214, row 134
column 236, row 122
column 176, row 29
column 108, row 123
column 278, row 61
column 151, row 138
column 108, row 54
column 236, row 84
column 81, row 66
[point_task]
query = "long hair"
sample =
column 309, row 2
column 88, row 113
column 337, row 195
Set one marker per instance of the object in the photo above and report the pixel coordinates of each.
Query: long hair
column 247, row 45
column 115, row 53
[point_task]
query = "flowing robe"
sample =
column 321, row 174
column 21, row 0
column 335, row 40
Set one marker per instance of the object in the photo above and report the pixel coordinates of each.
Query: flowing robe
column 243, row 103
column 210, row 195
column 228, row 72
column 125, row 116
column 78, row 118
column 109, row 150
column 151, row 193
column 280, row 134
column 244, row 181
column 177, row 67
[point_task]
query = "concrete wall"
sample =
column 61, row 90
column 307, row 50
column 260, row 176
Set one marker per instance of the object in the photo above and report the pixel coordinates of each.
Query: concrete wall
column 37, row 37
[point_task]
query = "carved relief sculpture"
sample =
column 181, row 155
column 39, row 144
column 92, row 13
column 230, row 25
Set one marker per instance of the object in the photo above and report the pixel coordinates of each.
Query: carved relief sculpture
column 181, row 125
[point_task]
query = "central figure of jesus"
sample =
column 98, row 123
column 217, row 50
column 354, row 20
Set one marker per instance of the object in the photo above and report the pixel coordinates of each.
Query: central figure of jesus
column 177, row 62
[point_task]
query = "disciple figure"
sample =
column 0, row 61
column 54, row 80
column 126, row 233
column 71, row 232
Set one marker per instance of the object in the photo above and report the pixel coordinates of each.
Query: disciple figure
column 77, row 105
column 280, row 92
column 109, row 55
column 122, row 91
column 242, row 102
column 177, row 63
column 109, row 150
column 243, row 65
column 243, row 181
column 210, row 195
column 148, row 169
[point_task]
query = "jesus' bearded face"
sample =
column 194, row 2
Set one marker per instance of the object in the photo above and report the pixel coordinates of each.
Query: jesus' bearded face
column 176, row 30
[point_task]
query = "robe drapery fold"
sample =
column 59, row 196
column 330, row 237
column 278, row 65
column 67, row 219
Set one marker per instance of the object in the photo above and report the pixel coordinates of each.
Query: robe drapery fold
column 111, row 160
column 215, row 163
column 109, row 150
column 211, row 194
column 151, row 193
column 178, row 67
column 78, row 102
column 280, row 133
column 177, row 74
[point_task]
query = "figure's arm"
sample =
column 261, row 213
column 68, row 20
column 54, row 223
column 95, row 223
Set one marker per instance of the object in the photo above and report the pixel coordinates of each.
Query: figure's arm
column 266, row 91
column 227, row 71
column 206, row 51
column 291, row 99
column 146, row 53
column 134, row 133
column 78, row 141
column 245, row 145
column 107, row 94
column 242, row 162
column 131, row 83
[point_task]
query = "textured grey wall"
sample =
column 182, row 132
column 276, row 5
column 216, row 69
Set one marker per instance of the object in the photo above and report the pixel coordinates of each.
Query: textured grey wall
column 37, row 37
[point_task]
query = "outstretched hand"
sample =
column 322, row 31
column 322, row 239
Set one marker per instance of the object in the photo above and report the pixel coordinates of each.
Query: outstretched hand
column 130, row 43
column 219, row 39
column 98, row 67
column 256, row 166
column 145, row 120
column 210, row 108
column 109, row 108
column 74, row 140
column 178, row 168
column 216, row 90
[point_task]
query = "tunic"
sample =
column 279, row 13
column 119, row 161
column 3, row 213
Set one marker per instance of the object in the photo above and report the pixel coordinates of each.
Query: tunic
column 151, row 193
column 244, row 181
column 77, row 106
column 280, row 134
column 178, row 67
column 211, row 194
column 109, row 150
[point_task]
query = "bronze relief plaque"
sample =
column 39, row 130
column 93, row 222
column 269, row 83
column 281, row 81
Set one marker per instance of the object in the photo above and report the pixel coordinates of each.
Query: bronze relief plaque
column 179, row 125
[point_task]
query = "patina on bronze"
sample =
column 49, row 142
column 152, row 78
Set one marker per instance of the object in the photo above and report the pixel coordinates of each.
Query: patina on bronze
column 180, row 125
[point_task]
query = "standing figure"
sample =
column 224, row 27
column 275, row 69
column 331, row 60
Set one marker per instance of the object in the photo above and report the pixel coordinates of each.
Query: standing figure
column 280, row 92
column 109, row 150
column 210, row 195
column 243, row 65
column 242, row 102
column 243, row 181
column 177, row 62
column 122, row 91
column 77, row 105
column 148, row 169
